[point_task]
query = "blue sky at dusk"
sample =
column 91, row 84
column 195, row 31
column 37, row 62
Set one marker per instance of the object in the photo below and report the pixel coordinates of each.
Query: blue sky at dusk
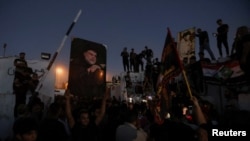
column 36, row 26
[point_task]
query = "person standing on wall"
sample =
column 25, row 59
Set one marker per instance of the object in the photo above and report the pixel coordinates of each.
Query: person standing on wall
column 125, row 59
column 21, row 81
column 204, row 42
column 221, row 36
column 132, row 59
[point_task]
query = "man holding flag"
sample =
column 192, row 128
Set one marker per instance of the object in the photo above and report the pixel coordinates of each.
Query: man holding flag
column 171, row 68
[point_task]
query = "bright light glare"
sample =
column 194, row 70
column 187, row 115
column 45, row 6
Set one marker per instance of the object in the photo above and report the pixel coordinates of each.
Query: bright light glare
column 130, row 100
column 101, row 74
column 59, row 70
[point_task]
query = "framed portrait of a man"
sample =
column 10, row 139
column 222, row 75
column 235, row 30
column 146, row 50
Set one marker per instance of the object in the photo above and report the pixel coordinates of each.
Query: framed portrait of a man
column 87, row 68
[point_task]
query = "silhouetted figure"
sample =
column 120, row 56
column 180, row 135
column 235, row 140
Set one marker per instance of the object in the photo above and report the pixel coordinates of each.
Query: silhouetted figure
column 221, row 35
column 125, row 59
column 83, row 127
column 204, row 42
column 148, row 54
column 34, row 81
column 25, row 129
column 242, row 47
column 140, row 62
column 149, row 70
column 155, row 73
column 132, row 58
column 195, row 74
column 147, row 86
column 21, row 81
column 50, row 128
column 203, row 59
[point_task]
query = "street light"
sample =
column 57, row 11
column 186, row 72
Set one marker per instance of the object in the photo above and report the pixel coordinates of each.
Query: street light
column 59, row 72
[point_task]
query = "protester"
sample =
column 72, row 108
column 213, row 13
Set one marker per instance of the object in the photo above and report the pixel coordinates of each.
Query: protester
column 166, row 113
column 129, row 130
column 21, row 81
column 50, row 128
column 25, row 129
column 132, row 60
column 221, row 36
column 125, row 59
column 82, row 126
column 204, row 42
column 242, row 48
column 149, row 54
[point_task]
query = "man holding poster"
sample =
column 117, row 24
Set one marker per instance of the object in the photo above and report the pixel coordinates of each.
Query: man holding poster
column 87, row 71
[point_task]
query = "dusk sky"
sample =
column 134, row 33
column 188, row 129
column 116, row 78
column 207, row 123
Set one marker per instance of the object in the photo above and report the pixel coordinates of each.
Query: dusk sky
column 36, row 26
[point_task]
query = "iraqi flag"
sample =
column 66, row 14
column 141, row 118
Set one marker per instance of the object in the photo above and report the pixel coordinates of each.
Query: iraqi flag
column 228, row 72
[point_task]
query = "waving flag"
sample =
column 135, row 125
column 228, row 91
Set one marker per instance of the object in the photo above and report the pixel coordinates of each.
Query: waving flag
column 170, row 65
column 171, row 68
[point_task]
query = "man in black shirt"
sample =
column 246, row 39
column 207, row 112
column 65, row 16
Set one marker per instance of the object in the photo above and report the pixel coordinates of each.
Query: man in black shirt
column 204, row 42
column 221, row 35
column 125, row 59
column 20, row 64
column 87, row 73
column 21, row 81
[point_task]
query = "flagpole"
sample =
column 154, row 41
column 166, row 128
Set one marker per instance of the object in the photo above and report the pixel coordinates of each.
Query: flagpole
column 40, row 84
column 182, row 69
column 187, row 83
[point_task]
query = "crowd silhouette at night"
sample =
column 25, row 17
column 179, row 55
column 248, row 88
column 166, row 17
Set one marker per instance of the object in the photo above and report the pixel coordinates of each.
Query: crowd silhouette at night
column 170, row 114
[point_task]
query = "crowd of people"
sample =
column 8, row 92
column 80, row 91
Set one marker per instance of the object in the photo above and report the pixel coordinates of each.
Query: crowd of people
column 108, row 118
column 153, row 67
column 170, row 115
column 134, row 62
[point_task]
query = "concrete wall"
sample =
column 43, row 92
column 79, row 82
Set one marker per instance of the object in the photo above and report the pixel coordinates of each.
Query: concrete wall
column 7, row 99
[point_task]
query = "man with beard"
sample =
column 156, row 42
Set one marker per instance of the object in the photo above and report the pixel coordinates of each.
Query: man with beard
column 86, row 75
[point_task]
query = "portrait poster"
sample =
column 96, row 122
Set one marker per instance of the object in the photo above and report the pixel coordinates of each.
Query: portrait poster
column 186, row 44
column 87, row 69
